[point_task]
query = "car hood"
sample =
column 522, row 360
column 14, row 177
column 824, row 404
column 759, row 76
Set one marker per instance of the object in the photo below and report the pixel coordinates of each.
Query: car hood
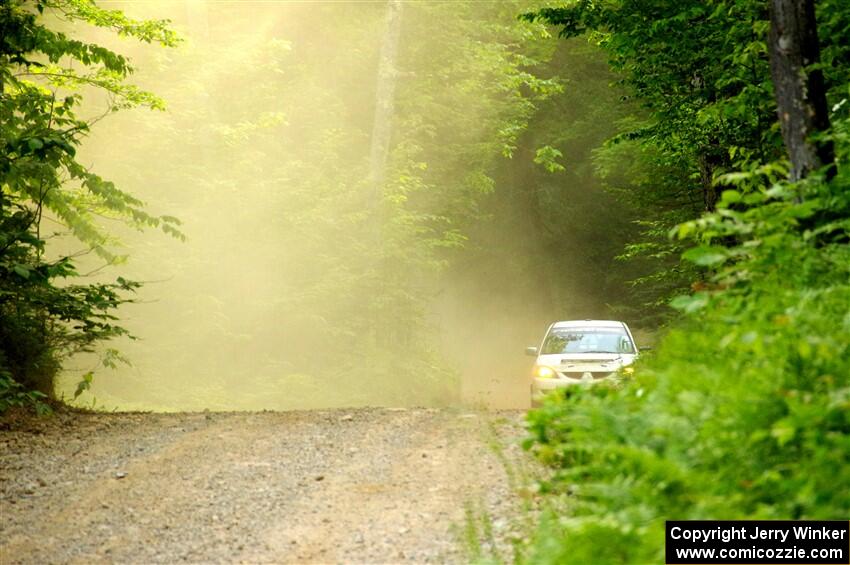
column 593, row 362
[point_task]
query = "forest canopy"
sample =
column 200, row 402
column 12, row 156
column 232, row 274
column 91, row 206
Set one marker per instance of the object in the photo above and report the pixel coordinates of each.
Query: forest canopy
column 302, row 283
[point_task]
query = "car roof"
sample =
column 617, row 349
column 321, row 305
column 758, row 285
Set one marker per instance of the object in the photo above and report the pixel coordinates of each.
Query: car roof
column 588, row 324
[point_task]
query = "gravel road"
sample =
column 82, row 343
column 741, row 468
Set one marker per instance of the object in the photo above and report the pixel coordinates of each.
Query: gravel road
column 352, row 486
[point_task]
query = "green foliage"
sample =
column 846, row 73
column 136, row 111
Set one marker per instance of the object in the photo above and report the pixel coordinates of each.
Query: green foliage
column 44, row 317
column 743, row 411
column 545, row 232
column 42, row 322
column 742, row 414
column 547, row 156
column 13, row 394
column 84, row 384
column 698, row 76
column 697, row 67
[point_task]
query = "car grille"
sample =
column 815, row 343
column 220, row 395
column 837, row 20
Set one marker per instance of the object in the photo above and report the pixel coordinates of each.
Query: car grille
column 578, row 374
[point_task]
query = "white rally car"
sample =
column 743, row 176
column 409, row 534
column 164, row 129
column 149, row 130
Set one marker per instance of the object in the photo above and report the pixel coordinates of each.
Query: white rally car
column 579, row 352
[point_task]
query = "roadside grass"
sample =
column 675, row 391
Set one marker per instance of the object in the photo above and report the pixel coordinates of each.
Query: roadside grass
column 487, row 540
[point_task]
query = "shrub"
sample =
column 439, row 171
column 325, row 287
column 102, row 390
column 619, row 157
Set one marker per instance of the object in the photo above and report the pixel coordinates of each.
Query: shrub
column 44, row 318
column 743, row 412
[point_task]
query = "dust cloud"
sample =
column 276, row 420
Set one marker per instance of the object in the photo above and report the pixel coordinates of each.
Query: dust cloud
column 294, row 288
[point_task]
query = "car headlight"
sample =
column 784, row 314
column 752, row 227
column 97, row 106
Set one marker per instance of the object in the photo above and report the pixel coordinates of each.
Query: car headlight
column 628, row 370
column 545, row 372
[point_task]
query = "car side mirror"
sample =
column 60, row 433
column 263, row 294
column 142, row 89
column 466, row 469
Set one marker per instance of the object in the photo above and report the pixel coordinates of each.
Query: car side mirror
column 645, row 348
column 531, row 351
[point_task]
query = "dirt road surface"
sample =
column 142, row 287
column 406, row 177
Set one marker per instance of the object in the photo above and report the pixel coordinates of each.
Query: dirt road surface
column 350, row 486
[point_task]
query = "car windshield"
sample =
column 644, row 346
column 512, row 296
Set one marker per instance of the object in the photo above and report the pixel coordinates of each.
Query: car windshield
column 587, row 340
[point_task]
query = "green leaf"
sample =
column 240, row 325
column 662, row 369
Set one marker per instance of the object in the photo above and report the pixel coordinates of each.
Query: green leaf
column 689, row 303
column 548, row 156
column 21, row 270
column 706, row 255
column 730, row 197
column 783, row 431
column 84, row 384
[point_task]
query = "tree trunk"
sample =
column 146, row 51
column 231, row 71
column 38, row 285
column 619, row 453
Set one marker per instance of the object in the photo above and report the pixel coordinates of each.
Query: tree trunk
column 384, row 334
column 800, row 92
column 706, row 179
column 384, row 101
